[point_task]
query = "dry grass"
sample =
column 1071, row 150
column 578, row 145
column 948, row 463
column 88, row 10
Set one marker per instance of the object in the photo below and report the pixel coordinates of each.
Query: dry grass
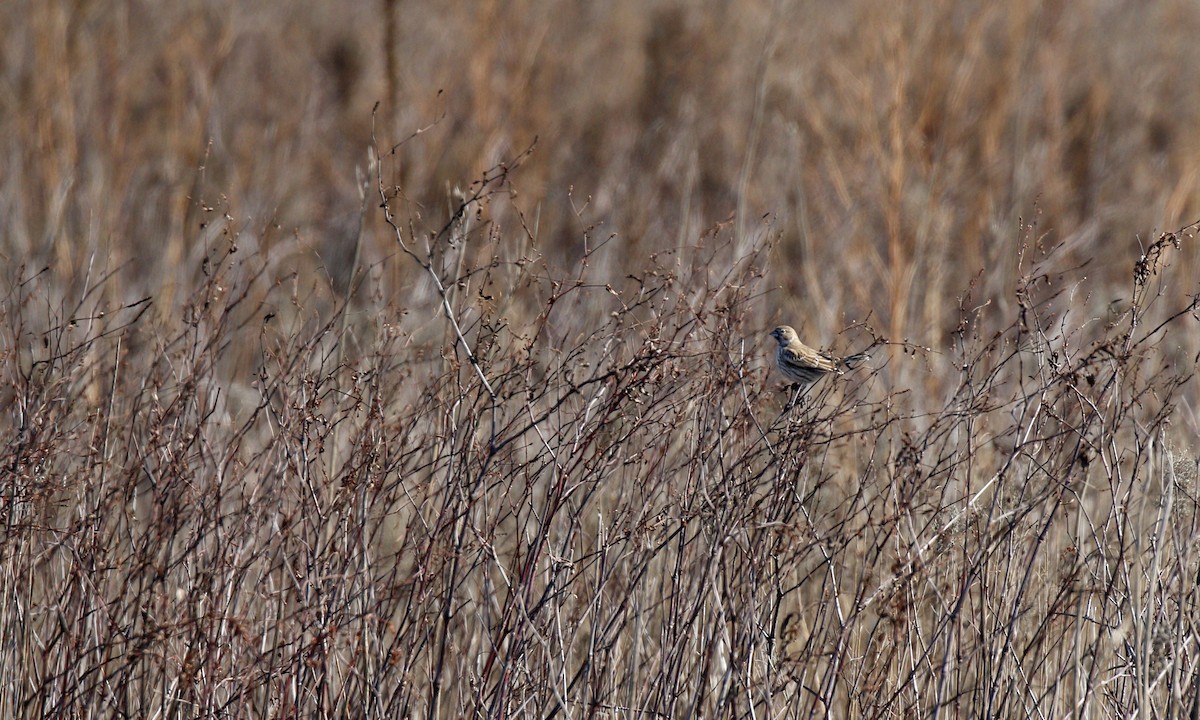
column 486, row 427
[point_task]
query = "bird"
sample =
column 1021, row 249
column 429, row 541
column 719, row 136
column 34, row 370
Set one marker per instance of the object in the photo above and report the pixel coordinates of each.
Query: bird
column 803, row 366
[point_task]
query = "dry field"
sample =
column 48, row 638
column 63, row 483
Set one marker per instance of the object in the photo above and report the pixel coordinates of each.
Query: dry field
column 397, row 359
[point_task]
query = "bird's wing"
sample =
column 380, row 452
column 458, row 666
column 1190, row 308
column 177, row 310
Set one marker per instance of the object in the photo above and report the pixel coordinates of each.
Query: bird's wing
column 811, row 358
column 828, row 362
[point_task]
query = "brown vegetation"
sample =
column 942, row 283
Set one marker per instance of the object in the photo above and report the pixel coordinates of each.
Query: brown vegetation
column 462, row 406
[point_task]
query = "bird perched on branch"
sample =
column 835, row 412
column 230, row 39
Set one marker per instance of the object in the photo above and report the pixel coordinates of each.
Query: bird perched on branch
column 803, row 366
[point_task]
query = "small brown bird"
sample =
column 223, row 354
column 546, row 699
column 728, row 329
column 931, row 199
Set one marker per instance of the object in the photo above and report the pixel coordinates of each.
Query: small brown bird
column 802, row 365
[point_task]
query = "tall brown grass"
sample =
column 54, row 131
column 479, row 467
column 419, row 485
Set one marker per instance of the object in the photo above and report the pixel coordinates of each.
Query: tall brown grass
column 461, row 405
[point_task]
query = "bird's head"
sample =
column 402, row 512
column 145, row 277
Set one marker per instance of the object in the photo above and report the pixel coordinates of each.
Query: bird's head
column 784, row 334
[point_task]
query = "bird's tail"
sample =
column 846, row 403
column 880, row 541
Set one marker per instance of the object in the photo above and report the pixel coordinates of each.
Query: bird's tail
column 852, row 361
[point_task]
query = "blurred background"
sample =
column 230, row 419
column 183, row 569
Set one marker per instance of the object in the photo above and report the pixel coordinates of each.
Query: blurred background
column 890, row 151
